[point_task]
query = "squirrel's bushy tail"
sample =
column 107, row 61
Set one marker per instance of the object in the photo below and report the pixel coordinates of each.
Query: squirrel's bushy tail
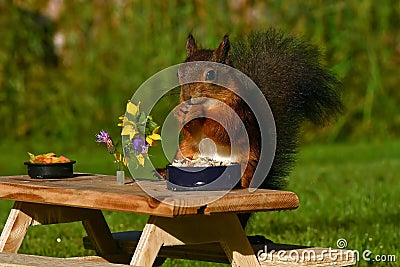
column 298, row 87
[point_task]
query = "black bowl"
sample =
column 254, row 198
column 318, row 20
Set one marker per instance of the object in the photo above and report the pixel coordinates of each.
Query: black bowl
column 51, row 170
column 203, row 178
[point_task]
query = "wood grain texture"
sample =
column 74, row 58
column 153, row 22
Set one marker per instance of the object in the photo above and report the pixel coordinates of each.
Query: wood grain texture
column 210, row 215
column 213, row 252
column 25, row 214
column 22, row 260
column 15, row 229
column 196, row 229
column 101, row 192
column 99, row 233
column 152, row 239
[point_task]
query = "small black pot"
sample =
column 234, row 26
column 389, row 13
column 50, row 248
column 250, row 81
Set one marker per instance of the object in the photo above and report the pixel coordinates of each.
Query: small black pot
column 203, row 178
column 51, row 170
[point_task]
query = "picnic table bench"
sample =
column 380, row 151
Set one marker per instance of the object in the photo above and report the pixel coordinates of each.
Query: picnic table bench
column 194, row 221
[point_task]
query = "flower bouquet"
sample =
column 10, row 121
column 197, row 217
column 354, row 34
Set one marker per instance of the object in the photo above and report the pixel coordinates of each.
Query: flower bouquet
column 139, row 132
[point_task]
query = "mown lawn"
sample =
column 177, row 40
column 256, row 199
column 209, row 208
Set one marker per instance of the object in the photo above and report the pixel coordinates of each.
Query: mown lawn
column 346, row 191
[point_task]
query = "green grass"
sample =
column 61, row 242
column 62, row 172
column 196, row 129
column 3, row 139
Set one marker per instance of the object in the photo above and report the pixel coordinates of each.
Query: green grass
column 346, row 191
column 110, row 49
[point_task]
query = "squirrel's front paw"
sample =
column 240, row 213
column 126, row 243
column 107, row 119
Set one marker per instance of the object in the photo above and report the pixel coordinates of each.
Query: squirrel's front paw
column 186, row 112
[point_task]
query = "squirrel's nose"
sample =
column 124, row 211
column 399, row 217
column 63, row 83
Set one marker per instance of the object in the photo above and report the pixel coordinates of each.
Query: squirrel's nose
column 186, row 93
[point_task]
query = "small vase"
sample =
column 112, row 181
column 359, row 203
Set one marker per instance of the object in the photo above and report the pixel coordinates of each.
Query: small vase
column 120, row 177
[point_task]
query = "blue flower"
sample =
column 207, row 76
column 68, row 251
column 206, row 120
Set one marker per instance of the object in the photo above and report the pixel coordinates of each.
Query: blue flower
column 140, row 145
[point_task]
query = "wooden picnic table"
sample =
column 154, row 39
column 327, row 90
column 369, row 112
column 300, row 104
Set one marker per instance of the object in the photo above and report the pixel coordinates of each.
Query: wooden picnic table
column 190, row 217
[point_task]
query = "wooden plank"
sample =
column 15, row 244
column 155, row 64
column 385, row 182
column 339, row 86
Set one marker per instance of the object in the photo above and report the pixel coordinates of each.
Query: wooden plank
column 235, row 243
column 23, row 260
column 99, row 233
column 222, row 228
column 151, row 241
column 15, row 229
column 213, row 252
column 24, row 214
column 102, row 192
column 50, row 214
column 128, row 240
column 91, row 191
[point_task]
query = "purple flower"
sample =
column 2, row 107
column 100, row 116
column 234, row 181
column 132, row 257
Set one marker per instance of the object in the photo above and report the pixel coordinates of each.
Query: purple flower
column 140, row 145
column 104, row 137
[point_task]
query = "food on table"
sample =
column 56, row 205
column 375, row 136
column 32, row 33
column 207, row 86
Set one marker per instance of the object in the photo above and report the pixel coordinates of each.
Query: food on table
column 200, row 162
column 47, row 158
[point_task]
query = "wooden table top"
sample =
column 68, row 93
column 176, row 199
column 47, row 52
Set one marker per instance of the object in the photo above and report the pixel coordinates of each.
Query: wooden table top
column 102, row 192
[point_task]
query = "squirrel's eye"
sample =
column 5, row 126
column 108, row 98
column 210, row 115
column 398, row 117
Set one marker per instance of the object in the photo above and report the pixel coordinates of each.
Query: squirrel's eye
column 210, row 75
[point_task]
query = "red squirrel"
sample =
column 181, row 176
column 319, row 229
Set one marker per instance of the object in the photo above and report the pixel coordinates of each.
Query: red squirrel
column 291, row 77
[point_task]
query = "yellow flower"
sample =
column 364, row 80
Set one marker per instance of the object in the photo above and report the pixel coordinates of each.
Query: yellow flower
column 153, row 137
column 132, row 108
column 123, row 120
column 130, row 130
column 129, row 127
column 140, row 159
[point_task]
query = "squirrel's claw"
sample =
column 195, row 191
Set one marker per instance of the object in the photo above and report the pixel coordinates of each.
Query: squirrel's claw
column 186, row 112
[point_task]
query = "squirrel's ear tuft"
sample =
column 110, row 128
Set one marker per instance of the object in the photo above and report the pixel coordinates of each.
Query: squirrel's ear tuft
column 222, row 52
column 191, row 46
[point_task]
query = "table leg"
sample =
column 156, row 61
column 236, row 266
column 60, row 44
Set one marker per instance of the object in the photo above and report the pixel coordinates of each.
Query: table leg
column 15, row 229
column 100, row 235
column 195, row 229
column 25, row 214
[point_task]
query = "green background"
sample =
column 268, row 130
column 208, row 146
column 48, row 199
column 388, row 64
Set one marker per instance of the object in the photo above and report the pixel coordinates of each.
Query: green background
column 68, row 92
